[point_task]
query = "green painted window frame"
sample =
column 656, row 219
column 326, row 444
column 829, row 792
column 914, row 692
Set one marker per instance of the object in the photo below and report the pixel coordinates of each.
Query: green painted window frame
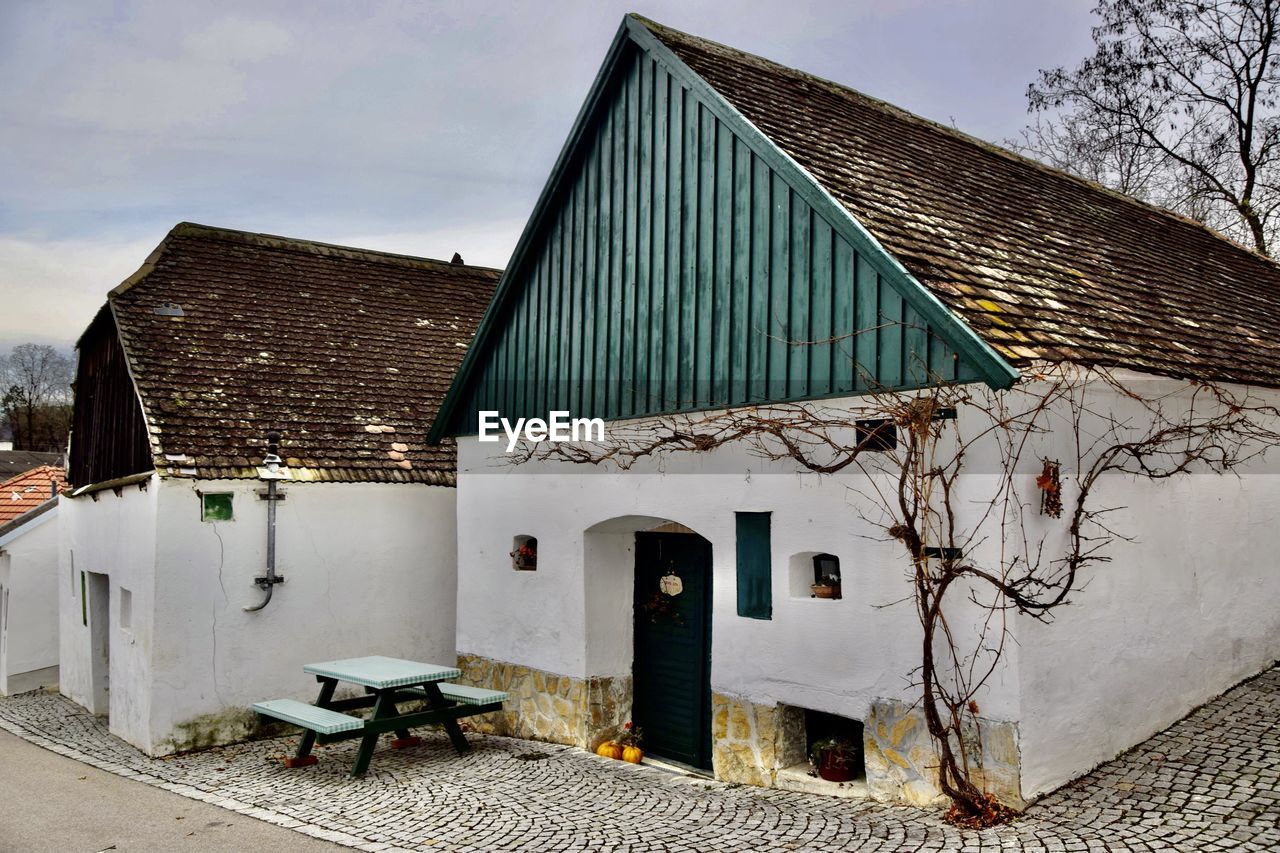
column 217, row 506
column 755, row 565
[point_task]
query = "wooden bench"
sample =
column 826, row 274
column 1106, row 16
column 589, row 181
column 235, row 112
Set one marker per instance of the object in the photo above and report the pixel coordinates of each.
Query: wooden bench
column 321, row 721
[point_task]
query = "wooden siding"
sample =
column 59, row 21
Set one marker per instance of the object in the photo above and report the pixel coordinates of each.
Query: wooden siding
column 108, row 432
column 676, row 270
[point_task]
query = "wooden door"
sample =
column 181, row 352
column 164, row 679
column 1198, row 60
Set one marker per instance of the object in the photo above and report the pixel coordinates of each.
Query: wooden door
column 671, row 674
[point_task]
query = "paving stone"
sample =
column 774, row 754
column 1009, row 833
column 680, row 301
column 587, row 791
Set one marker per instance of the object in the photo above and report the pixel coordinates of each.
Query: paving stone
column 1210, row 782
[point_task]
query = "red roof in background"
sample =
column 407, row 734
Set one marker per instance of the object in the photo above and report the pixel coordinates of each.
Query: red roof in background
column 28, row 490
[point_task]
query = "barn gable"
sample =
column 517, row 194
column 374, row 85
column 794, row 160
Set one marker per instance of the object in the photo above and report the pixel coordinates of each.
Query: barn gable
column 678, row 260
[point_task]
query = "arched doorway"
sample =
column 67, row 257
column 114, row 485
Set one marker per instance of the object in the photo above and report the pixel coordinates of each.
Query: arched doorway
column 671, row 667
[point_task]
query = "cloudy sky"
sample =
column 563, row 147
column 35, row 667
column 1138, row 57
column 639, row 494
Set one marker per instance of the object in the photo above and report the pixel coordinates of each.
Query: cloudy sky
column 418, row 127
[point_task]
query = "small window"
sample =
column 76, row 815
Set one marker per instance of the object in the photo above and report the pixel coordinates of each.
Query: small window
column 826, row 576
column 755, row 565
column 215, row 506
column 524, row 554
column 814, row 574
column 877, row 434
column 126, row 609
column 84, row 605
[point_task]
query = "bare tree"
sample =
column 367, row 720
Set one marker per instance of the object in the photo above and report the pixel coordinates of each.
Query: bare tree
column 36, row 400
column 968, row 550
column 1177, row 105
column 1077, row 143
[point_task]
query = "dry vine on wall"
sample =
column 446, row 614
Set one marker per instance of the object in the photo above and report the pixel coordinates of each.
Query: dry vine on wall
column 965, row 548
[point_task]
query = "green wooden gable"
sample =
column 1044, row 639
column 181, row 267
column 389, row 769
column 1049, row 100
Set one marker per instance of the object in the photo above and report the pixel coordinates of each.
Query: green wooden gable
column 679, row 261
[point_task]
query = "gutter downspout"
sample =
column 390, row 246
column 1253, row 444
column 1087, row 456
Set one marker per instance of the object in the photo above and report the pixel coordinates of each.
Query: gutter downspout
column 272, row 473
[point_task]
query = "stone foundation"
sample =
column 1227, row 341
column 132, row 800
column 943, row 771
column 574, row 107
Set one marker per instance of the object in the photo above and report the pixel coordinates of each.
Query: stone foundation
column 751, row 743
column 902, row 763
column 547, row 706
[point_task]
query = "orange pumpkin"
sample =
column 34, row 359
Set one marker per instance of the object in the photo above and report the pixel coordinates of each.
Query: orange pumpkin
column 609, row 749
column 634, row 754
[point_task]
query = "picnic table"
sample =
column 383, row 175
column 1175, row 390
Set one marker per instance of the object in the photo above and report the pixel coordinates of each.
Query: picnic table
column 387, row 682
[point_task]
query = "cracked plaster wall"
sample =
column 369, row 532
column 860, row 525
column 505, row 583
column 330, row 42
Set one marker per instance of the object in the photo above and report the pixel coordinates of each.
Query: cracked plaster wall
column 369, row 569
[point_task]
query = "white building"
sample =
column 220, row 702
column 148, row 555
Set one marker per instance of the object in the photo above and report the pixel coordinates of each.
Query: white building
column 29, row 599
column 220, row 338
column 723, row 232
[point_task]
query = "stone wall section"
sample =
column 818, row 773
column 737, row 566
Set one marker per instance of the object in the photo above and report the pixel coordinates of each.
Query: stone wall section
column 546, row 706
column 902, row 763
column 752, row 742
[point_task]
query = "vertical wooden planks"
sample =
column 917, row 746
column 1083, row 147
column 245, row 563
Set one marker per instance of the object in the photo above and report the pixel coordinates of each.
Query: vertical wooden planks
column 761, row 274
column 644, row 234
column 712, row 314
column 778, row 327
column 675, row 207
column 680, row 272
column 735, row 258
column 658, row 270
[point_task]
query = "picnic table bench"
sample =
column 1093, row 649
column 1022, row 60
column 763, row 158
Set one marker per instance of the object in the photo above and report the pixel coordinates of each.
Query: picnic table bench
column 387, row 683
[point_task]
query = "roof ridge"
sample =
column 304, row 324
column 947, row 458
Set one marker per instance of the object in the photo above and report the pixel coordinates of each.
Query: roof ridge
column 315, row 247
column 982, row 144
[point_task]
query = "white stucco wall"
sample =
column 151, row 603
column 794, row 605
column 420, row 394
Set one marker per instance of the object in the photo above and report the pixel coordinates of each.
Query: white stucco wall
column 369, row 569
column 574, row 614
column 29, row 576
column 1179, row 614
column 114, row 535
column 1183, row 611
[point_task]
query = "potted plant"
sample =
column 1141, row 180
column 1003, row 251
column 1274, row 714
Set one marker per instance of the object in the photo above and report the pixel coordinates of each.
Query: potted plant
column 525, row 557
column 826, row 589
column 630, row 740
column 837, row 759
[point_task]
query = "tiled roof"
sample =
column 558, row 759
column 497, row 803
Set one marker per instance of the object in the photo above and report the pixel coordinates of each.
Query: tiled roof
column 1043, row 265
column 29, row 490
column 347, row 352
column 16, row 461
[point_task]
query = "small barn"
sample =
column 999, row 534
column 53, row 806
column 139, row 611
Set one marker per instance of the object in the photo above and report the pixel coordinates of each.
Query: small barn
column 722, row 232
column 228, row 362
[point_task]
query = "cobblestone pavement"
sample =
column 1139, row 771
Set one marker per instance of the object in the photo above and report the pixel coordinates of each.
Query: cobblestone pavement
column 1210, row 782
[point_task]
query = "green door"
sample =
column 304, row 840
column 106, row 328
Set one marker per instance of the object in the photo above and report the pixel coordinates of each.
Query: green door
column 671, row 676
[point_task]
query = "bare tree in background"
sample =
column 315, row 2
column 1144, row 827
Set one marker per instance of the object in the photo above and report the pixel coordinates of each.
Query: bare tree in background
column 36, row 401
column 1177, row 106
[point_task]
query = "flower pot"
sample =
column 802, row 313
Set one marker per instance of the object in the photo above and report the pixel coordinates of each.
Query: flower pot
column 833, row 767
column 526, row 564
column 822, row 590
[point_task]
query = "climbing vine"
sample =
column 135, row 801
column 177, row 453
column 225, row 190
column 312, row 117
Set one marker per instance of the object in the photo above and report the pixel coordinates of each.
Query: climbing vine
column 1018, row 542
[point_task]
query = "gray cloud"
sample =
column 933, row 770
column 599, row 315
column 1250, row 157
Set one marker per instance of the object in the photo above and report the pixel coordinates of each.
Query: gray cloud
column 417, row 127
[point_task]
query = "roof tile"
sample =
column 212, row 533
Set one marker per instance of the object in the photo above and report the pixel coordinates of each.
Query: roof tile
column 320, row 342
column 1042, row 264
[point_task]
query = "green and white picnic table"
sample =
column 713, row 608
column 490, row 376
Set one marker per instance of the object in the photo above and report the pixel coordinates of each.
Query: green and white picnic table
column 387, row 682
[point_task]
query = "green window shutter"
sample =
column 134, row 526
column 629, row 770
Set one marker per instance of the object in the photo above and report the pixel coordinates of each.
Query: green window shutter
column 755, row 563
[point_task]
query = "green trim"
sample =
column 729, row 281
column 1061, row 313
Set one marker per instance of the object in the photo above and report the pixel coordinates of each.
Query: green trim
column 754, row 544
column 992, row 369
column 984, row 361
